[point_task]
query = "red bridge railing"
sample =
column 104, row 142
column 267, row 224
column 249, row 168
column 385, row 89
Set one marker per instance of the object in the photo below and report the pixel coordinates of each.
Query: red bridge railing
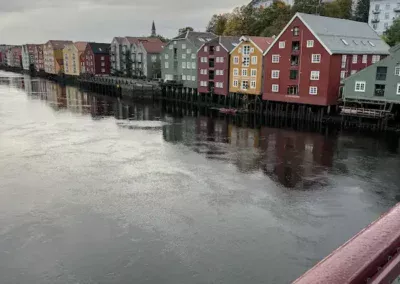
column 372, row 256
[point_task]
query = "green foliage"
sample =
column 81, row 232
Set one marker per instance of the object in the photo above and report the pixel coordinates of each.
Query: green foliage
column 362, row 11
column 307, row 6
column 217, row 24
column 163, row 39
column 337, row 9
column 184, row 30
column 392, row 34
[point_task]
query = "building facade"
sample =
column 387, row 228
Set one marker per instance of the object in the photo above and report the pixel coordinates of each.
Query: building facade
column 116, row 56
column 39, row 58
column 179, row 58
column 312, row 55
column 28, row 56
column 246, row 65
column 53, row 56
column 382, row 14
column 72, row 58
column 14, row 56
column 97, row 59
column 213, row 65
column 378, row 82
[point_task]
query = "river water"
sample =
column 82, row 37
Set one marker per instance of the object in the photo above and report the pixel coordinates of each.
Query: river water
column 96, row 190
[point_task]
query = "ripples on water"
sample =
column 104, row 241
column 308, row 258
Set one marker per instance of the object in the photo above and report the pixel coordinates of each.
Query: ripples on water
column 98, row 190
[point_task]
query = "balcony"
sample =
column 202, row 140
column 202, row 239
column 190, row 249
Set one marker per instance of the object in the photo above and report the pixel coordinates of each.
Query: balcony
column 397, row 9
column 376, row 11
column 211, row 63
column 296, row 47
column 294, row 61
column 211, row 75
column 375, row 21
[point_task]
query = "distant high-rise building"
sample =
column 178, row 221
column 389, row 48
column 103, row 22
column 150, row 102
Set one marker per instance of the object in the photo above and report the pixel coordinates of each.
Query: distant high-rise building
column 382, row 14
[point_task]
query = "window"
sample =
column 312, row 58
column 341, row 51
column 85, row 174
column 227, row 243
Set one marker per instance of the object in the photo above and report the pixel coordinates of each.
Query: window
column 355, row 58
column 193, row 65
column 379, row 90
column 342, row 74
column 236, row 60
column 184, row 78
column 244, row 72
column 275, row 88
column 235, row 72
column 353, row 72
column 359, row 86
column 221, row 72
column 397, row 70
column 174, row 41
column 387, row 6
column 103, row 64
column 205, row 59
column 313, row 90
column 314, row 75
column 245, row 85
column 221, row 59
column 364, row 58
column 374, row 26
column 371, row 43
column 183, row 65
column 166, row 65
column 385, row 25
column 376, row 7
column 188, row 51
column 254, row 60
column 103, row 70
column 398, row 89
column 188, row 65
column 253, row 73
column 381, row 73
column 166, row 55
column 193, row 56
column 252, row 50
column 344, row 41
column 246, row 50
column 205, row 49
column 375, row 58
column 183, row 55
column 386, row 15
column 217, row 48
column 310, row 43
column 102, row 58
column 293, row 74
column 253, row 84
column 246, row 61
column 153, row 58
column 275, row 58
column 275, row 74
column 217, row 59
column 281, row 44
column 296, row 31
column 315, row 58
column 235, row 83
column 293, row 90
column 193, row 78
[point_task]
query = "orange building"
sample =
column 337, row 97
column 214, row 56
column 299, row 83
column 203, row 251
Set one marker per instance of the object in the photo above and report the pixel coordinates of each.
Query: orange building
column 246, row 65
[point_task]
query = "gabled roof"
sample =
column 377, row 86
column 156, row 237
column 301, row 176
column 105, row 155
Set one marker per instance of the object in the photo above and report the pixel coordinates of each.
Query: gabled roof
column 197, row 38
column 59, row 44
column 99, row 48
column 80, row 45
column 262, row 43
column 340, row 36
column 119, row 39
column 229, row 42
column 152, row 45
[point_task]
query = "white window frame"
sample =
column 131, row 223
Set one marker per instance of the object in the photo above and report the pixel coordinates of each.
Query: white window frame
column 342, row 74
column 312, row 92
column 361, row 85
column 253, row 84
column 217, row 60
column 354, row 59
column 282, row 44
column 397, row 70
column 398, row 89
column 253, row 73
column 193, row 78
column 166, row 55
column 184, row 78
column 276, row 73
column 314, row 75
column 236, row 60
column 310, row 43
column 206, row 49
column 221, row 72
column 193, row 56
column 254, row 60
column 221, row 60
column 235, row 83
column 244, row 72
column 188, row 65
column 183, row 65
column 184, row 56
column 243, row 81
column 217, row 48
column 193, row 65
column 246, row 61
column 352, row 72
column 275, row 88
column 246, row 49
column 315, row 58
column 166, row 64
column 235, row 71
column 275, row 58
column 364, row 58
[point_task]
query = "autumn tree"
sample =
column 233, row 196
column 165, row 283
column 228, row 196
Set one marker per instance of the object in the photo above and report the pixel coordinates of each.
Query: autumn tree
column 273, row 19
column 307, row 6
column 217, row 24
column 361, row 12
column 392, row 34
column 337, row 9
column 241, row 21
column 184, row 30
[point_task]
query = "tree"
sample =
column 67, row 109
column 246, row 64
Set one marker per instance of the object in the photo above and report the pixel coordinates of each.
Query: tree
column 184, row 30
column 362, row 11
column 337, row 9
column 241, row 21
column 392, row 34
column 217, row 24
column 272, row 19
column 307, row 6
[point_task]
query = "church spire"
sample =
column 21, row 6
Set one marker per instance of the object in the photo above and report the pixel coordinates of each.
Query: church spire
column 153, row 30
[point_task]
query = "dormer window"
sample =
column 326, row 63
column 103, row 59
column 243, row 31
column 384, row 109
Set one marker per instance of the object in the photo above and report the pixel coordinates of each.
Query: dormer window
column 296, row 31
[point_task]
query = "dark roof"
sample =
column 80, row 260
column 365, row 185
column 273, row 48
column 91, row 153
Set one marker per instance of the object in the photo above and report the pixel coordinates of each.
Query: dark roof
column 262, row 42
column 197, row 38
column 99, row 48
column 229, row 42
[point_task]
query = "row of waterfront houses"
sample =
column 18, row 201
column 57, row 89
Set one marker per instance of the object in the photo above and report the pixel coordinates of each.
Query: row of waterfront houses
column 311, row 61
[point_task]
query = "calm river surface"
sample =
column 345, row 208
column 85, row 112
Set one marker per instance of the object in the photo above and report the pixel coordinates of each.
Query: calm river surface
column 95, row 190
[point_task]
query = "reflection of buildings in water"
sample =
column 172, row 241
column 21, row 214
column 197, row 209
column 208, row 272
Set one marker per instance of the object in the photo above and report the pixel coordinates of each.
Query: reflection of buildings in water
column 76, row 100
column 296, row 159
column 180, row 130
column 27, row 84
column 246, row 140
column 56, row 95
column 100, row 107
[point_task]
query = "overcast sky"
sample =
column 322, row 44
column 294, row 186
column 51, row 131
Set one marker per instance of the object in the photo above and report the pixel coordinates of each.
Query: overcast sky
column 36, row 21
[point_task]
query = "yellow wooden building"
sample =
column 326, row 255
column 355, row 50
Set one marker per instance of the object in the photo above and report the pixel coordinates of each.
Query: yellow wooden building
column 53, row 56
column 246, row 65
column 72, row 58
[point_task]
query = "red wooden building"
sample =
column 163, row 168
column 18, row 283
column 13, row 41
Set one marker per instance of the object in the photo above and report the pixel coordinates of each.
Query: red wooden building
column 309, row 58
column 213, row 65
column 96, row 59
